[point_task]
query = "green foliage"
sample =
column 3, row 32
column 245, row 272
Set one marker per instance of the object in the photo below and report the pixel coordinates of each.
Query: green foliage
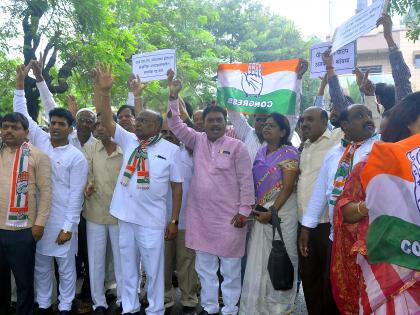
column 410, row 10
column 7, row 82
column 204, row 33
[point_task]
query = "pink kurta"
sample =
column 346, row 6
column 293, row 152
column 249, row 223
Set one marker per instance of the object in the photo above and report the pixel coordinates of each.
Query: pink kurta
column 221, row 187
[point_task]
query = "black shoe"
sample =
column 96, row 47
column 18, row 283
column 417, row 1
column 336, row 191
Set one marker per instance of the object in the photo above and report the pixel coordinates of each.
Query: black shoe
column 100, row 310
column 189, row 310
column 45, row 311
column 65, row 312
column 204, row 312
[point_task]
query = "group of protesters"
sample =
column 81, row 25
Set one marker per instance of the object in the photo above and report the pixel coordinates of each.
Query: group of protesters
column 196, row 193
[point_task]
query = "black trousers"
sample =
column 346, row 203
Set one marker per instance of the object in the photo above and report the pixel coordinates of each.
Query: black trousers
column 315, row 272
column 17, row 254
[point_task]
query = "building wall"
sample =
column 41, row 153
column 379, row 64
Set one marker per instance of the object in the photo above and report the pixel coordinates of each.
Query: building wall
column 372, row 50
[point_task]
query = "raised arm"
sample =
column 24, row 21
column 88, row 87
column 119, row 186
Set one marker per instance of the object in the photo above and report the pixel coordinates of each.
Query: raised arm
column 37, row 136
column 400, row 71
column 46, row 97
column 136, row 88
column 180, row 129
column 240, row 124
column 319, row 99
column 103, row 80
column 336, row 93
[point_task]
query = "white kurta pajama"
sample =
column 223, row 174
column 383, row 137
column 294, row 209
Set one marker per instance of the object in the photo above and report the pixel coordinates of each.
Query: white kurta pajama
column 69, row 175
column 141, row 217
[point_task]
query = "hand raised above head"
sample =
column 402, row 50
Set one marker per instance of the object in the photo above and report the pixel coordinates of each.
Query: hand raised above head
column 327, row 58
column 386, row 21
column 104, row 79
column 171, row 75
column 22, row 71
column 135, row 85
column 303, row 67
column 175, row 86
column 37, row 67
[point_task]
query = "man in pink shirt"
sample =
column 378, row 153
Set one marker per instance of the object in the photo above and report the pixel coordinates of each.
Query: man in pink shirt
column 219, row 201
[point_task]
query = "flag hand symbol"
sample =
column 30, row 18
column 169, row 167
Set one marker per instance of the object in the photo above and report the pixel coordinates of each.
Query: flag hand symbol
column 252, row 80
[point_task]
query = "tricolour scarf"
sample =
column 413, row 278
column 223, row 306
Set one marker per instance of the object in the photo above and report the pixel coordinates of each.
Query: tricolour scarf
column 344, row 168
column 17, row 215
column 139, row 161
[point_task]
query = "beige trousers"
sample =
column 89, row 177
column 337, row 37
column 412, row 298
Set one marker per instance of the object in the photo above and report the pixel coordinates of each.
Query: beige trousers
column 184, row 258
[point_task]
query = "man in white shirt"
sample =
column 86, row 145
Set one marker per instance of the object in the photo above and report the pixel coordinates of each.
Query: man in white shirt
column 81, row 135
column 69, row 175
column 359, row 130
column 150, row 167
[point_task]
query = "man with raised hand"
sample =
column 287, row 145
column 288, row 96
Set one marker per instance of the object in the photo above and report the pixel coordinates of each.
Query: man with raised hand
column 25, row 201
column 150, row 169
column 69, row 174
column 219, row 202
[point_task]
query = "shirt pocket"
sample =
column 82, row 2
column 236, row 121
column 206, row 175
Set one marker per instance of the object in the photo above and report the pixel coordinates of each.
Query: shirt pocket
column 159, row 169
column 223, row 162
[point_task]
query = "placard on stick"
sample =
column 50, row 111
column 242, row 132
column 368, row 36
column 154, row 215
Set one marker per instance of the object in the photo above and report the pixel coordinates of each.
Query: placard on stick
column 359, row 24
column 154, row 65
column 344, row 59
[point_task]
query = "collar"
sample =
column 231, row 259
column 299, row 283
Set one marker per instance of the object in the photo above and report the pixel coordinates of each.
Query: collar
column 326, row 135
column 345, row 142
column 101, row 147
column 218, row 141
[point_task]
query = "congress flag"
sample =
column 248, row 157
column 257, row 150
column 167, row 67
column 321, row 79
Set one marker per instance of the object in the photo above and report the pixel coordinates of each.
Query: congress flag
column 261, row 88
column 391, row 179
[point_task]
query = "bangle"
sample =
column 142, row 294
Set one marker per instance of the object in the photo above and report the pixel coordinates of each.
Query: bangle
column 359, row 211
column 137, row 97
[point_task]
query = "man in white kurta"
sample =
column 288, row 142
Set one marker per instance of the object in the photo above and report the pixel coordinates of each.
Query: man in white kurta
column 139, row 200
column 69, row 174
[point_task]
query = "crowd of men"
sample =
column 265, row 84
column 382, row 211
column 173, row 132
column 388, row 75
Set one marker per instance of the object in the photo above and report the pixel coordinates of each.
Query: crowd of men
column 133, row 193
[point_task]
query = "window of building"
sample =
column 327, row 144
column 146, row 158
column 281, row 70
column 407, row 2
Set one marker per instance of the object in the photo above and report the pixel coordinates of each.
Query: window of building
column 417, row 61
column 372, row 69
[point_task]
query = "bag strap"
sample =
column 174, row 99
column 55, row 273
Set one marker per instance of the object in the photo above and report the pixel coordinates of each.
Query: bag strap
column 276, row 223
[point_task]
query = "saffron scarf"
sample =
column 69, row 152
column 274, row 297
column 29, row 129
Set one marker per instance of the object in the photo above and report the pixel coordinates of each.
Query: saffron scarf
column 139, row 161
column 17, row 216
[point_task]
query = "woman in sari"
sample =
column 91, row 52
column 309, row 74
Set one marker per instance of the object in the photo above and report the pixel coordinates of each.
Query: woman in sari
column 275, row 172
column 358, row 286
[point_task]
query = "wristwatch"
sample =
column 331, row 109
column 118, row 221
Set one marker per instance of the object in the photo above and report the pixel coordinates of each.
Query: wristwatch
column 173, row 221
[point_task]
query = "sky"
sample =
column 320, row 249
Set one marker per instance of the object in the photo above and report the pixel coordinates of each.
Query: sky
column 312, row 16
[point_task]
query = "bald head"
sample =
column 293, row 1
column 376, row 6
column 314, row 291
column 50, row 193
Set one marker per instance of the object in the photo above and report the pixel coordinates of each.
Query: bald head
column 313, row 123
column 148, row 124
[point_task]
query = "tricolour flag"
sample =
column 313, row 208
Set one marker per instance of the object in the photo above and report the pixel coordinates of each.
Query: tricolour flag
column 261, row 88
column 391, row 179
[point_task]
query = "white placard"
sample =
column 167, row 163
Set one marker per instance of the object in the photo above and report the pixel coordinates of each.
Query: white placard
column 344, row 59
column 154, row 65
column 359, row 24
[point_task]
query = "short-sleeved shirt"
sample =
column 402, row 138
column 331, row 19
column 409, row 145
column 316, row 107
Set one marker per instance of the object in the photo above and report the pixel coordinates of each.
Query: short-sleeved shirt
column 140, row 206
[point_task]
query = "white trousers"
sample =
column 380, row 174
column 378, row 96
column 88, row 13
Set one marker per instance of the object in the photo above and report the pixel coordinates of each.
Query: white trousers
column 97, row 239
column 206, row 266
column 44, row 276
column 136, row 241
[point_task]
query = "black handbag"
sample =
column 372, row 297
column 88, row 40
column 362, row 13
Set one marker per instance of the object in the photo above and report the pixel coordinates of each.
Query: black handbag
column 279, row 266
